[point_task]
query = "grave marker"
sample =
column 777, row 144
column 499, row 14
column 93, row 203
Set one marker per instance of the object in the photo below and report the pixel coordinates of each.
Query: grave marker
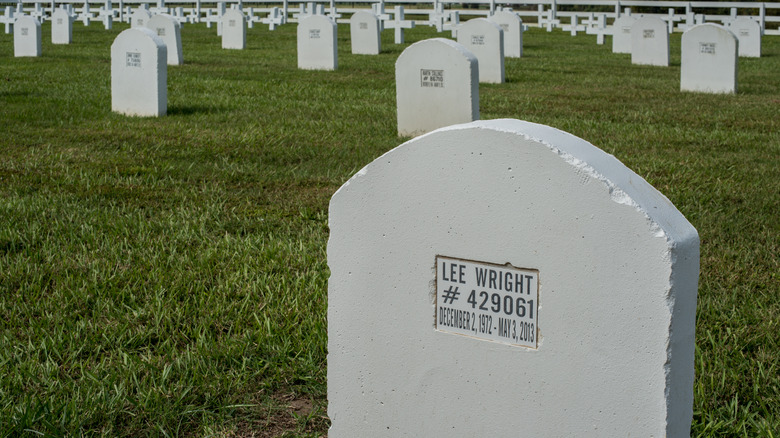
column 512, row 26
column 364, row 33
column 709, row 59
column 436, row 84
column 140, row 17
column 399, row 24
column 317, row 43
column 139, row 73
column 650, row 42
column 61, row 27
column 503, row 278
column 485, row 40
column 27, row 36
column 233, row 25
column 621, row 34
column 168, row 29
column 748, row 31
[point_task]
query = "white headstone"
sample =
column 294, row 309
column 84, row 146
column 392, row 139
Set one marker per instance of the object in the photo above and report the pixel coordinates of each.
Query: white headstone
column 27, row 36
column 512, row 26
column 485, row 40
column 748, row 31
column 61, row 27
column 436, row 85
column 169, row 30
column 140, row 17
column 650, row 42
column 317, row 43
column 709, row 59
column 233, row 29
column 364, row 33
column 139, row 73
column 621, row 34
column 503, row 278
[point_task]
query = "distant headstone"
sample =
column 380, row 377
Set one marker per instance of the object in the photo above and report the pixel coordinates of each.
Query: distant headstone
column 748, row 31
column 61, row 27
column 364, row 33
column 503, row 278
column 168, row 29
column 139, row 73
column 140, row 17
column 317, row 43
column 436, row 85
column 233, row 29
column 709, row 59
column 650, row 42
column 621, row 34
column 27, row 36
column 485, row 40
column 512, row 26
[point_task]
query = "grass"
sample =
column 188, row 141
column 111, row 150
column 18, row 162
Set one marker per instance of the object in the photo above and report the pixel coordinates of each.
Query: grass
column 167, row 276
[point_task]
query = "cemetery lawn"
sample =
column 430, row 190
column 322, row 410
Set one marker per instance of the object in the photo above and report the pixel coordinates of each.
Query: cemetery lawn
column 168, row 276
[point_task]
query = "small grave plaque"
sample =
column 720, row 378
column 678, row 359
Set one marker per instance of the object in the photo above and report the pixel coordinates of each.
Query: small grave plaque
column 133, row 59
column 25, row 31
column 487, row 301
column 432, row 78
column 161, row 31
column 363, row 26
column 478, row 40
column 649, row 33
column 314, row 34
column 708, row 48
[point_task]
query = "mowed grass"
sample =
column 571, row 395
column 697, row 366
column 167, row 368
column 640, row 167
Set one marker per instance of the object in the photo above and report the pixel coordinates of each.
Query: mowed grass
column 168, row 276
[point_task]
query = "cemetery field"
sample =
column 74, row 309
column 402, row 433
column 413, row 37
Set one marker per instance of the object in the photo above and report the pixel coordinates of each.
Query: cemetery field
column 168, row 276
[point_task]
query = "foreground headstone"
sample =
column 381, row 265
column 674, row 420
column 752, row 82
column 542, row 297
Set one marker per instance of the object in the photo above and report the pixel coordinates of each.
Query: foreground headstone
column 621, row 34
column 139, row 73
column 748, row 31
column 485, row 40
column 233, row 25
column 61, row 27
column 503, row 278
column 317, row 43
column 650, row 42
column 512, row 26
column 436, row 85
column 27, row 36
column 364, row 33
column 168, row 29
column 709, row 59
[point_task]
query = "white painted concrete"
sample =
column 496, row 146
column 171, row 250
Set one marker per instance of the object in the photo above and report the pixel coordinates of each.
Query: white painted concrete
column 748, row 31
column 61, row 27
column 485, row 40
column 436, row 85
column 233, row 25
column 512, row 26
column 650, row 42
column 617, row 268
column 317, row 43
column 364, row 33
column 168, row 29
column 621, row 34
column 27, row 36
column 140, row 17
column 139, row 73
column 709, row 59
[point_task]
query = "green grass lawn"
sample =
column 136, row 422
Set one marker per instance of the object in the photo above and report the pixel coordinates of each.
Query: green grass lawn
column 168, row 277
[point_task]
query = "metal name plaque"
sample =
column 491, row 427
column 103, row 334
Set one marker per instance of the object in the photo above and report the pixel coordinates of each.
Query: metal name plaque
column 431, row 78
column 487, row 301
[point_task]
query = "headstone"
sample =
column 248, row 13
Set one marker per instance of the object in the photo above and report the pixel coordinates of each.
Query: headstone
column 233, row 29
column 317, row 43
column 168, row 29
column 503, row 278
column 61, row 27
column 399, row 24
column 140, row 17
column 650, row 42
column 436, row 85
column 139, row 73
column 485, row 40
column 621, row 34
column 512, row 26
column 27, row 36
column 709, row 59
column 748, row 31
column 364, row 33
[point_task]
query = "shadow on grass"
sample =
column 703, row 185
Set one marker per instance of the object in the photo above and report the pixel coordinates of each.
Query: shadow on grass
column 186, row 110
